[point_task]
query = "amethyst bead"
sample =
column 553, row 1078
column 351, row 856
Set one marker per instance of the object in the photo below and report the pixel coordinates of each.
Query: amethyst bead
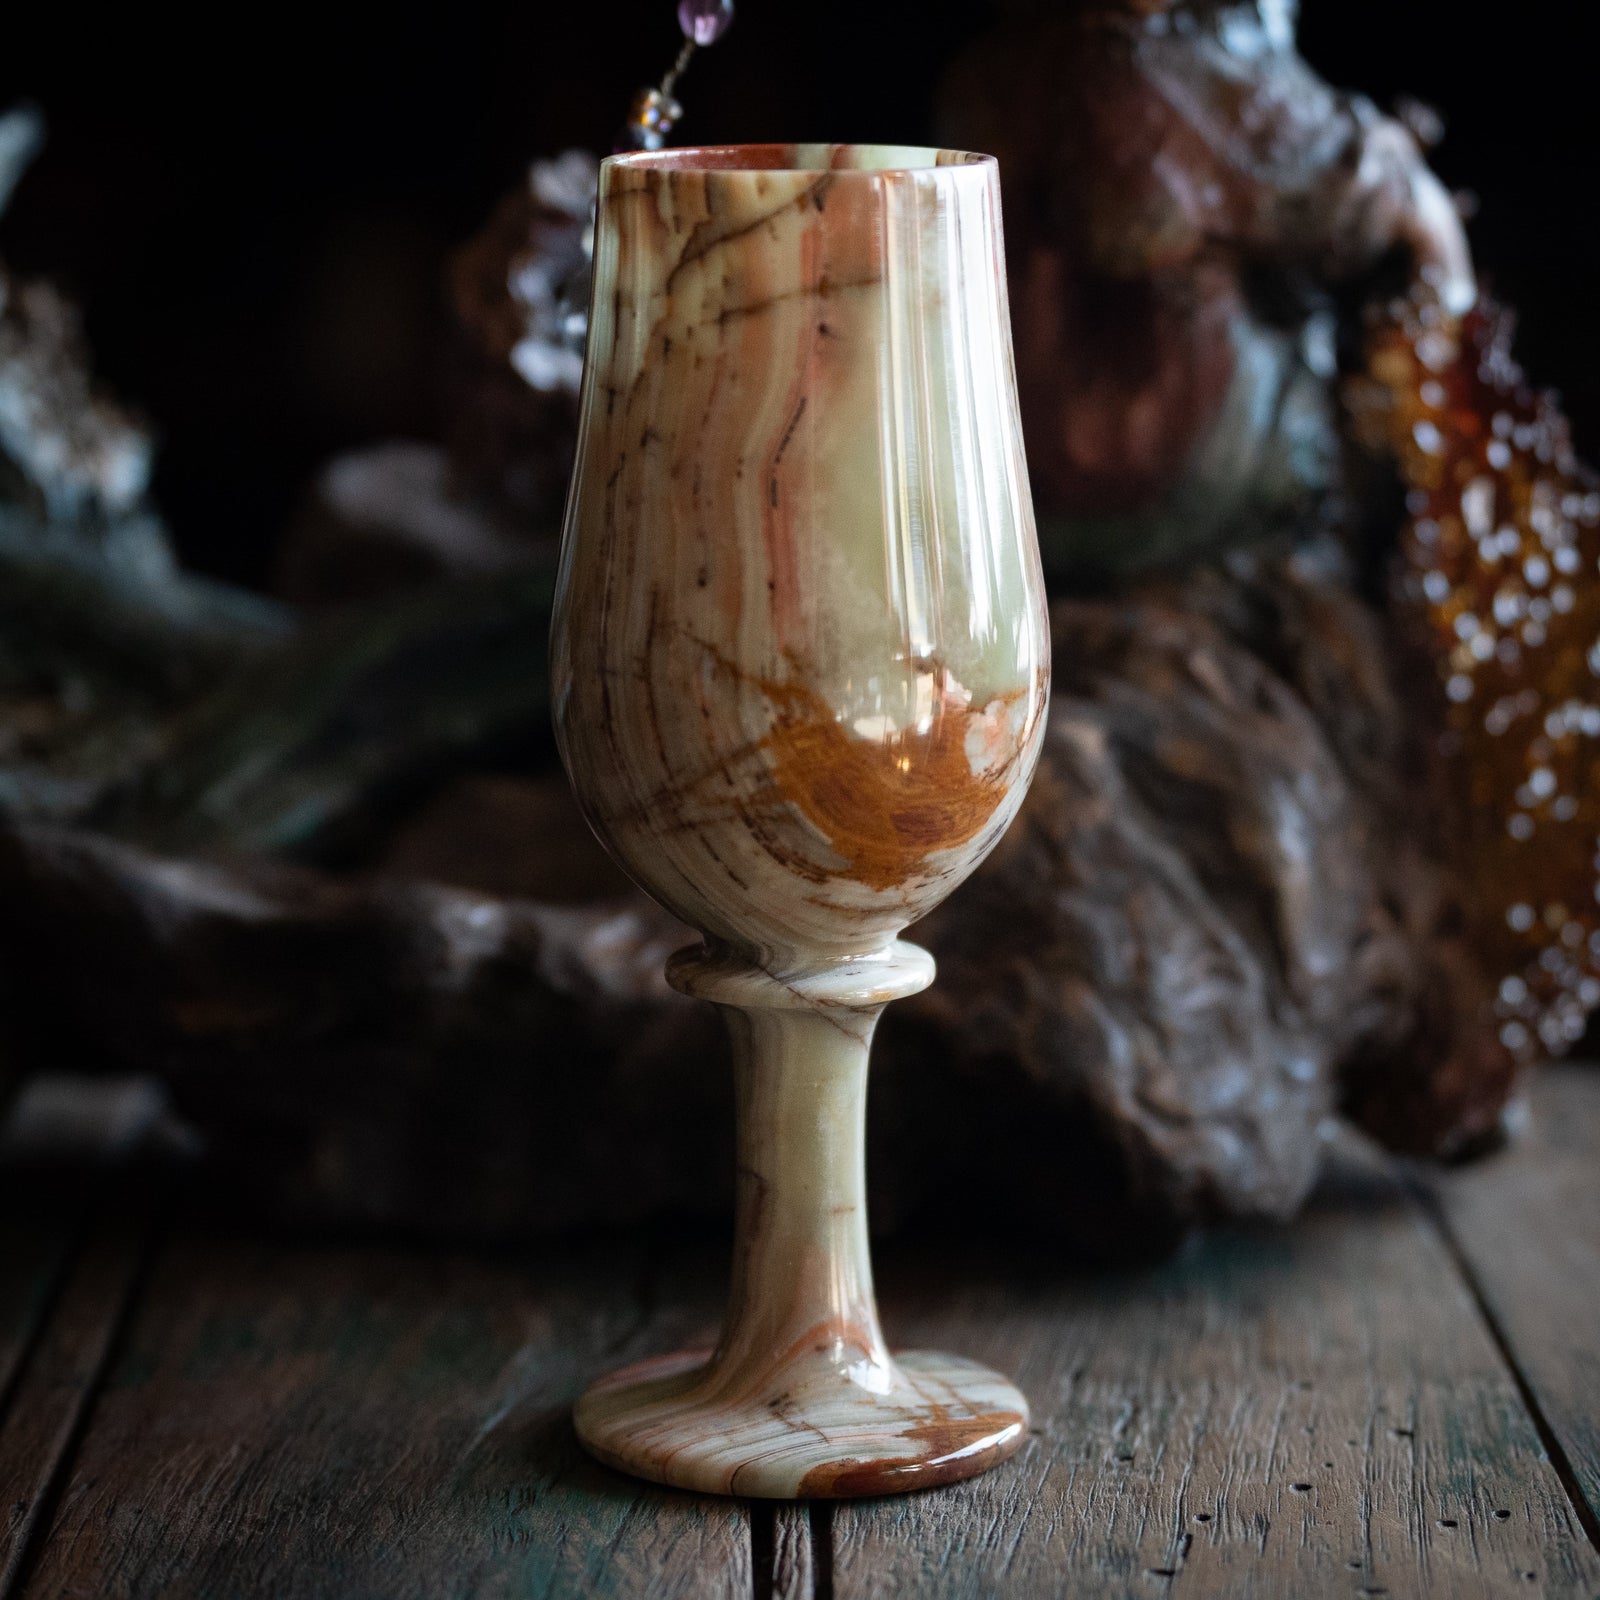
column 704, row 21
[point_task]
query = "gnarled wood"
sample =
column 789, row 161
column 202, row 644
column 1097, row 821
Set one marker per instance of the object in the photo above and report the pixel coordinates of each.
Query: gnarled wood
column 1213, row 924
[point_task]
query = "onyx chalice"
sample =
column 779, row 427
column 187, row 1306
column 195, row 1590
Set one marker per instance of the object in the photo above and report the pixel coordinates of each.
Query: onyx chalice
column 800, row 663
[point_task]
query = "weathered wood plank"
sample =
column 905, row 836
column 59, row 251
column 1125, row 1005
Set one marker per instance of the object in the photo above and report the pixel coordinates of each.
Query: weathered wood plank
column 68, row 1261
column 794, row 1574
column 60, row 1153
column 293, row 1421
column 1527, row 1226
column 1306, row 1411
column 57, row 1378
column 34, row 1244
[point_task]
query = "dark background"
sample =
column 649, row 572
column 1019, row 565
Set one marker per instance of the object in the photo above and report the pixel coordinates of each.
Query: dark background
column 255, row 217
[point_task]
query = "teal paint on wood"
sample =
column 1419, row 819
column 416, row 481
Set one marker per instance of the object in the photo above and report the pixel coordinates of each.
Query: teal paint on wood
column 1317, row 1409
column 1527, row 1227
column 296, row 1422
column 1310, row 1410
column 58, row 1373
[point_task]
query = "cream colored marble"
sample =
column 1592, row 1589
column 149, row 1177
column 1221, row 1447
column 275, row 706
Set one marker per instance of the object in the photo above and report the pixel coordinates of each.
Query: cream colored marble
column 800, row 663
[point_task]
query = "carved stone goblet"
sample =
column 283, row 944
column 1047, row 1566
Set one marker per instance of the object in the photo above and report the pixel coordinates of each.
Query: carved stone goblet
column 800, row 664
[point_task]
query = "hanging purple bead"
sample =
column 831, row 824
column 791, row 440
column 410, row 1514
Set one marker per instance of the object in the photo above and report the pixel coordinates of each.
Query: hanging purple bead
column 704, row 21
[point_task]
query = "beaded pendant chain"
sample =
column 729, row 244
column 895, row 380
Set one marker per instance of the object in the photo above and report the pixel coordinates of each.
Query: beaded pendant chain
column 550, row 282
column 655, row 112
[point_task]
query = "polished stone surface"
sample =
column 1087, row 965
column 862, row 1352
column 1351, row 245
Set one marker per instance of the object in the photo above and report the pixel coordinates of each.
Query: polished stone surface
column 800, row 665
column 938, row 1420
column 801, row 652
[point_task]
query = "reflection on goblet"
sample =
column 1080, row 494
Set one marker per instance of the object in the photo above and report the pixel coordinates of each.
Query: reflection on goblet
column 800, row 660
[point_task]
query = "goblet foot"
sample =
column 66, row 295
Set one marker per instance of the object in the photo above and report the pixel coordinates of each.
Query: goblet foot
column 927, row 1419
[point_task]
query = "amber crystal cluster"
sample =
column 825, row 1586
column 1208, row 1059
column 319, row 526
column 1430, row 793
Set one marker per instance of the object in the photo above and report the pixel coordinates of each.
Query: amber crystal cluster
column 1500, row 577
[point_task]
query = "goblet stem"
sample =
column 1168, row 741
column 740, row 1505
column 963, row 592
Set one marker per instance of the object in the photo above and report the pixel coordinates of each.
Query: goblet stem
column 801, row 1396
column 802, row 1270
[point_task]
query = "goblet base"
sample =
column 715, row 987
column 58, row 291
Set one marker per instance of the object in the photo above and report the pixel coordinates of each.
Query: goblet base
column 934, row 1419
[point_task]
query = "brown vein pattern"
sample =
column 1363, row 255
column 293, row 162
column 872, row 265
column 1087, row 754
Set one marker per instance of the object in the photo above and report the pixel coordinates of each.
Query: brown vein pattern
column 801, row 639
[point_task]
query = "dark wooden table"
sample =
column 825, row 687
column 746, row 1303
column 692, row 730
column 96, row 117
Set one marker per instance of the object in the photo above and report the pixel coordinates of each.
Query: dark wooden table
column 1400, row 1394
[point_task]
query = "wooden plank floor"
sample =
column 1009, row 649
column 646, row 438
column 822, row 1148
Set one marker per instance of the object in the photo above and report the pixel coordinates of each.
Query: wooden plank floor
column 1526, row 1233
column 1398, row 1395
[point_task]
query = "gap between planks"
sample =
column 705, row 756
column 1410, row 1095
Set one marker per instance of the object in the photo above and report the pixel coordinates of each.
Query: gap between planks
column 1478, row 1217
column 1560, row 1462
column 304, row 1420
column 57, row 1379
column 791, row 1548
column 65, row 1341
column 1317, row 1408
column 1524, row 1227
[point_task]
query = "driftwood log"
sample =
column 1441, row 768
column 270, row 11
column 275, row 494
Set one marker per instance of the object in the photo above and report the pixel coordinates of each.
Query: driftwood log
column 1220, row 922
column 1203, row 938
column 1187, row 202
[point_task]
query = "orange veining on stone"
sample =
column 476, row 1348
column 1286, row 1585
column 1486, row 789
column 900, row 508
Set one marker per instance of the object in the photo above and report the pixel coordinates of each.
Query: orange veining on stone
column 886, row 805
column 949, row 1447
